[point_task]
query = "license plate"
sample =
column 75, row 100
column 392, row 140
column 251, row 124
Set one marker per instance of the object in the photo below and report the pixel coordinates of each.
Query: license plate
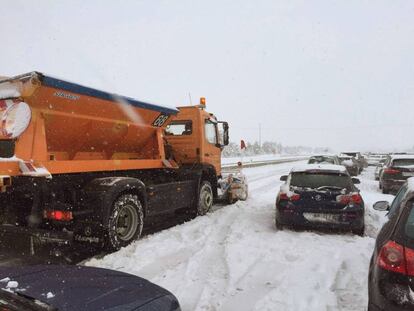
column 408, row 174
column 320, row 217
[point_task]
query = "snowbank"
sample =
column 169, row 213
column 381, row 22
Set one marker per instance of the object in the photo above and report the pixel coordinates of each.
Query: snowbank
column 234, row 259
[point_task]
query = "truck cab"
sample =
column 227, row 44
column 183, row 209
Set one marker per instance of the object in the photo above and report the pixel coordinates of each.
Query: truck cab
column 195, row 136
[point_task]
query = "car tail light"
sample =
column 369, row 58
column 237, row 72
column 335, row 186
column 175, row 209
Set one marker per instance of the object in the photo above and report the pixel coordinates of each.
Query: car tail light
column 58, row 215
column 289, row 197
column 349, row 198
column 356, row 198
column 391, row 171
column 392, row 258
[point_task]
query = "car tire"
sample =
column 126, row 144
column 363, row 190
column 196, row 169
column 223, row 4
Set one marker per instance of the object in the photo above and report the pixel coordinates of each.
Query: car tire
column 359, row 231
column 205, row 198
column 125, row 222
column 245, row 194
column 279, row 226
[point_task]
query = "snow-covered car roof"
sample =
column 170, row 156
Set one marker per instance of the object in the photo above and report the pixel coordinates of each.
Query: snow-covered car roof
column 319, row 167
column 345, row 156
column 323, row 155
column 402, row 156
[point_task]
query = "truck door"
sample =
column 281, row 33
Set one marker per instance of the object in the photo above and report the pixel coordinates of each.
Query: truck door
column 212, row 147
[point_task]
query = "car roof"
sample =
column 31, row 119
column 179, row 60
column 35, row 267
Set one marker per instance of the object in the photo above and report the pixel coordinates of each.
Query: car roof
column 331, row 168
column 402, row 156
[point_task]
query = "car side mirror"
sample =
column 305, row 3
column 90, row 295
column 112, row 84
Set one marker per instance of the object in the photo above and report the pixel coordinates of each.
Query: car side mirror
column 283, row 177
column 382, row 206
column 356, row 181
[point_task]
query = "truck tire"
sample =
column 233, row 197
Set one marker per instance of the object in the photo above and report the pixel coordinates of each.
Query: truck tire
column 205, row 198
column 125, row 222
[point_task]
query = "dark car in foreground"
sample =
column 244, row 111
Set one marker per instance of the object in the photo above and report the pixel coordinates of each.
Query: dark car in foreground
column 391, row 270
column 33, row 288
column 396, row 170
column 322, row 196
column 324, row 159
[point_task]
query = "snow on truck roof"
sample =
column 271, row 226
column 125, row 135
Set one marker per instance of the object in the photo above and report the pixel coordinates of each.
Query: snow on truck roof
column 88, row 91
column 319, row 167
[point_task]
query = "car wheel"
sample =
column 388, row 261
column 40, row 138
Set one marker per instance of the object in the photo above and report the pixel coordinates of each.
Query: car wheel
column 125, row 222
column 359, row 231
column 205, row 198
column 245, row 194
column 279, row 226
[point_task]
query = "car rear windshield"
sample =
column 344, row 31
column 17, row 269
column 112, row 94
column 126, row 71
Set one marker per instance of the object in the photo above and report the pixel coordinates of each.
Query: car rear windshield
column 316, row 160
column 318, row 180
column 403, row 162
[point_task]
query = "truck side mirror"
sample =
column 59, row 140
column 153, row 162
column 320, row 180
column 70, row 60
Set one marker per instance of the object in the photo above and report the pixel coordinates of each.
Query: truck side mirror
column 224, row 132
column 283, row 177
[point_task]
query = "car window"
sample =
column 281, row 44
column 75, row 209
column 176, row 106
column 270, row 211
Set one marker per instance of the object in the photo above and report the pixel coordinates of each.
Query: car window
column 312, row 180
column 397, row 201
column 409, row 224
column 317, row 160
column 403, row 162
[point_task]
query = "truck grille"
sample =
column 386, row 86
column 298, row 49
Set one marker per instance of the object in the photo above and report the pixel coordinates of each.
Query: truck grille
column 7, row 148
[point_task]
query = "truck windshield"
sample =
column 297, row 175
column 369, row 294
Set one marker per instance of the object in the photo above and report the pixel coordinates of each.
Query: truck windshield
column 314, row 181
column 179, row 128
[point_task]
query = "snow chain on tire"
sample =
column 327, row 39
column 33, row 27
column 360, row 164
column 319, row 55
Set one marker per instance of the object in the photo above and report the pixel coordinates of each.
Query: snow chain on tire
column 125, row 222
column 205, row 198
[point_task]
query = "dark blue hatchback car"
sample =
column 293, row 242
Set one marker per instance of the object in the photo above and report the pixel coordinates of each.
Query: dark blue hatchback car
column 322, row 196
column 41, row 288
column 391, row 270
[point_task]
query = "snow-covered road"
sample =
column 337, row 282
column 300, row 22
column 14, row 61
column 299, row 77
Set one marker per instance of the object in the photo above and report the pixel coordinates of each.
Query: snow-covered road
column 234, row 258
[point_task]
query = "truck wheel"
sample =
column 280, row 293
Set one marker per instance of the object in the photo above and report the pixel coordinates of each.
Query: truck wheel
column 205, row 198
column 125, row 222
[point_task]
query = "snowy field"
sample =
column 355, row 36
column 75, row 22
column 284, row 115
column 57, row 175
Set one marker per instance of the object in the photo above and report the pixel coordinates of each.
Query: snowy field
column 234, row 258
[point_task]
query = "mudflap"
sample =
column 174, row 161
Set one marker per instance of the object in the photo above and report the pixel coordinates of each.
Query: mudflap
column 36, row 244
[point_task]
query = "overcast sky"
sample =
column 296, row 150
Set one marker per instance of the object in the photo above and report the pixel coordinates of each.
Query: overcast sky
column 316, row 73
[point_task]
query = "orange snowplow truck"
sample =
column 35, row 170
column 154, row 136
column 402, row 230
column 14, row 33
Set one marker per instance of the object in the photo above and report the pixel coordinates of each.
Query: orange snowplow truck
column 79, row 165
